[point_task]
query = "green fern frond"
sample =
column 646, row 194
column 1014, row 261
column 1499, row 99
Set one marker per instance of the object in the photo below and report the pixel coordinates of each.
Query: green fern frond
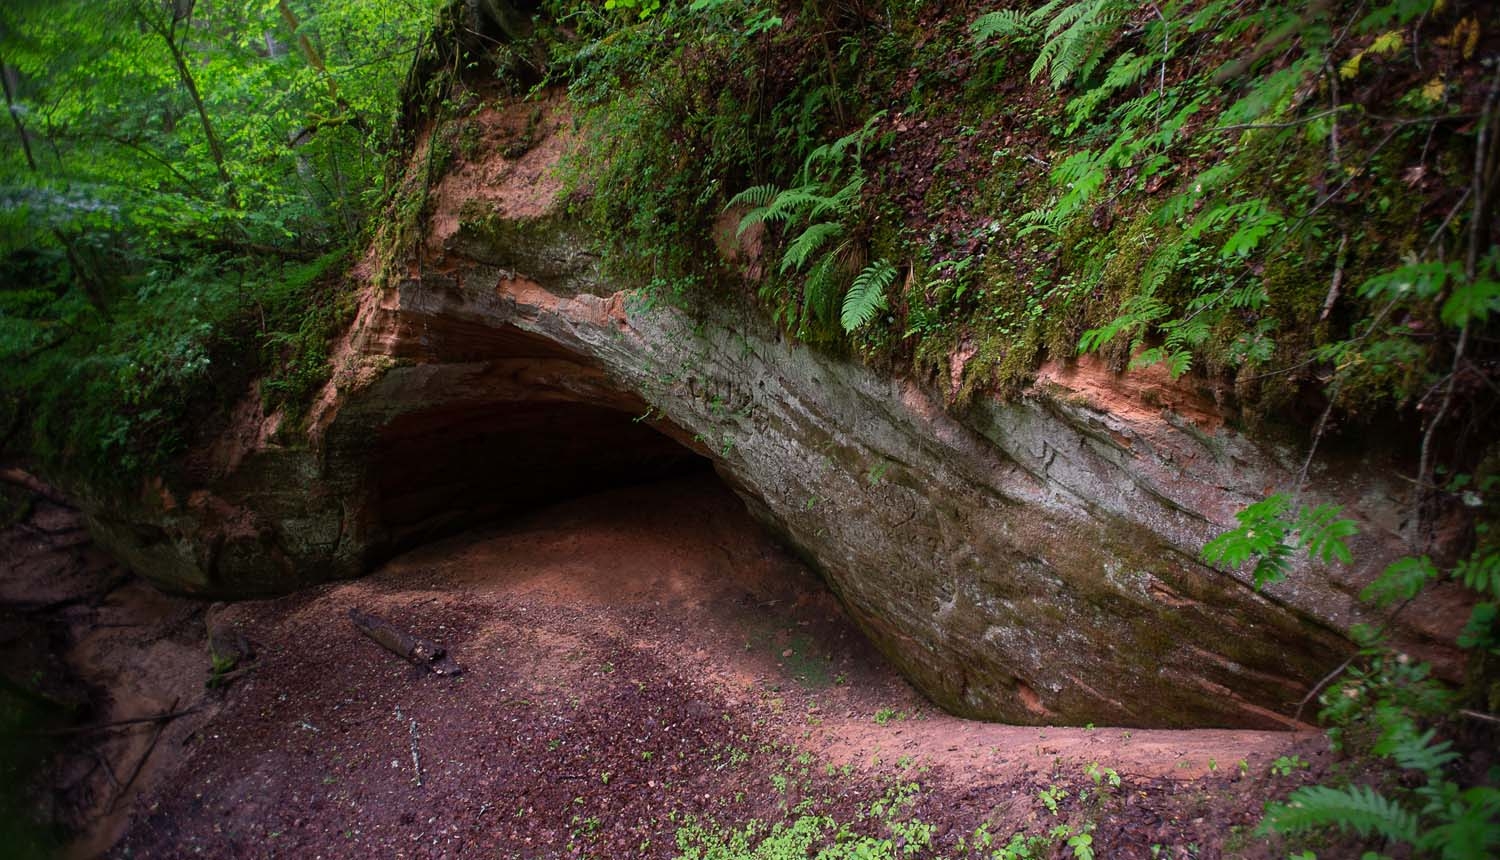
column 1409, row 747
column 1010, row 23
column 1126, row 71
column 867, row 295
column 1358, row 808
column 1420, row 753
column 1160, row 267
column 1077, row 39
column 842, row 202
column 755, row 195
column 780, row 206
column 1048, row 218
column 820, row 289
column 1006, row 23
column 1135, row 316
column 808, row 243
column 1471, row 831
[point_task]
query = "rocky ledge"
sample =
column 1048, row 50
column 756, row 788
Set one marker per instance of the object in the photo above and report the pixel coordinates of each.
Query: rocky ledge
column 1033, row 560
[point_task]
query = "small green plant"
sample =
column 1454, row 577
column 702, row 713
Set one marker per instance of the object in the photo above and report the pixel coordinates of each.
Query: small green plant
column 1102, row 776
column 1082, row 845
column 221, row 665
column 1051, row 796
column 1286, row 765
column 1386, row 704
column 1267, row 534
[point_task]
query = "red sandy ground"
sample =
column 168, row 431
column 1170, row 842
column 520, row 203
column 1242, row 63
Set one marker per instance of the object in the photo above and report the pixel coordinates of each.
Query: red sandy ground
column 632, row 659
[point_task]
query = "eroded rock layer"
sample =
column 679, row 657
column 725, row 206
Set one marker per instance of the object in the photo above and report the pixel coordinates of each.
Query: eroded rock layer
column 1032, row 561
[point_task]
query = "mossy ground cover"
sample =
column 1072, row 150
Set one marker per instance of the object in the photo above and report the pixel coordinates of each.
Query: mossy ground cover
column 1205, row 206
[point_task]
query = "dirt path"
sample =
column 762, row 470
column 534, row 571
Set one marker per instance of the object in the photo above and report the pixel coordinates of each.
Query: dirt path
column 633, row 661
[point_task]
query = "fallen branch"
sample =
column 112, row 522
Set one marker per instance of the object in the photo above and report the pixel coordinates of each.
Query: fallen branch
column 164, row 717
column 140, row 762
column 25, row 480
column 416, row 763
column 1338, row 279
column 429, row 655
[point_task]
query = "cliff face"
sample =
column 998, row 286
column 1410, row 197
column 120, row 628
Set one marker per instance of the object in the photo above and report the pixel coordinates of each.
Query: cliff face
column 1033, row 560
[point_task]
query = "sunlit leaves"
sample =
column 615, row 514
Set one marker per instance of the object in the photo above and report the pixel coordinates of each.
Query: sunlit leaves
column 1268, row 535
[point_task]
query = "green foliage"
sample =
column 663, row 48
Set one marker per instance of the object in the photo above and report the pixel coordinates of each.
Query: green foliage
column 1402, row 580
column 1358, row 808
column 1391, row 708
column 1286, row 765
column 866, row 295
column 1075, row 35
column 824, row 206
column 813, row 834
column 643, row 8
column 1269, row 536
column 1238, row 142
column 886, row 828
column 661, row 133
column 1437, row 818
column 177, row 189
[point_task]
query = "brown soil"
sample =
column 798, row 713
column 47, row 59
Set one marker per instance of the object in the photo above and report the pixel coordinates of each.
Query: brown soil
column 632, row 660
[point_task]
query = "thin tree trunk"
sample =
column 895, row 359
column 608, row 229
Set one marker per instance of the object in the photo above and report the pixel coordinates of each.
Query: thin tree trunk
column 7, row 79
column 309, row 50
column 168, row 35
column 84, row 274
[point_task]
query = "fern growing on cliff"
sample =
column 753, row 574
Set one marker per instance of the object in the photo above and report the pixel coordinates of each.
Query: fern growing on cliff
column 867, row 295
column 824, row 204
column 1076, row 36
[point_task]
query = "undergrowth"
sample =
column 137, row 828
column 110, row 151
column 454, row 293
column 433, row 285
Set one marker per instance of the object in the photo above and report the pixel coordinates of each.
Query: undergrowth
column 891, row 826
column 120, row 395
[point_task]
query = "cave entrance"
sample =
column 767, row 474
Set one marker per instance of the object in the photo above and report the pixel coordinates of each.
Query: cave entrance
column 446, row 469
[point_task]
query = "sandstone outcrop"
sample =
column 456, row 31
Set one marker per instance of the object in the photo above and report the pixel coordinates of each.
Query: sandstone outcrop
column 1033, row 560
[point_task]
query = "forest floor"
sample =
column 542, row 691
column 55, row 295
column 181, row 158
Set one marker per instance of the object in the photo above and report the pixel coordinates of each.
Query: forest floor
column 635, row 663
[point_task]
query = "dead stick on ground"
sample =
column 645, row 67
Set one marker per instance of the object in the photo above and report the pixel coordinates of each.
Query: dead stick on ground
column 27, row 481
column 108, row 771
column 141, row 762
column 1318, row 687
column 1338, row 279
column 416, row 763
column 116, row 724
column 428, row 655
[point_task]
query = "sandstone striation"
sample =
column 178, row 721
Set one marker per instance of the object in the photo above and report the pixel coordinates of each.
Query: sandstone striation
column 1032, row 560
